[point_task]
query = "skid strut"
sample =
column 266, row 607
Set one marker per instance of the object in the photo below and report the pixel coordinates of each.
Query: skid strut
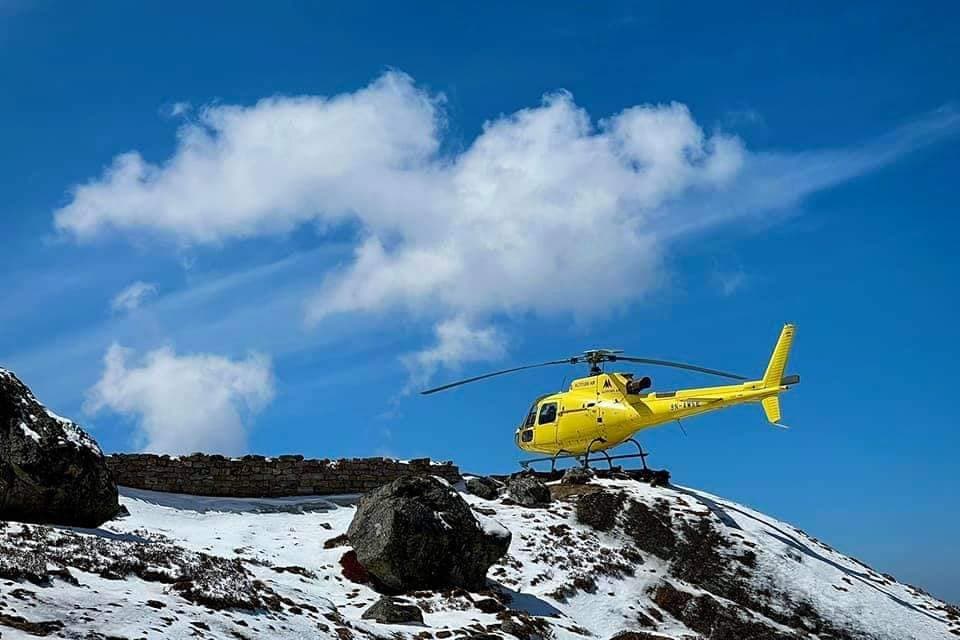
column 586, row 458
column 643, row 455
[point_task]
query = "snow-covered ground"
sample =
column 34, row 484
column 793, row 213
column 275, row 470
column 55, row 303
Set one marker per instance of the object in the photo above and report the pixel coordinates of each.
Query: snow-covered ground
column 583, row 582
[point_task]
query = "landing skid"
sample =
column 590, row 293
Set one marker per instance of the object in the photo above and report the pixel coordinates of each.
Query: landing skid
column 645, row 473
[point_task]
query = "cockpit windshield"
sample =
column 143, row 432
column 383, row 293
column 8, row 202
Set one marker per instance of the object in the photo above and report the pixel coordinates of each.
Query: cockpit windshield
column 531, row 417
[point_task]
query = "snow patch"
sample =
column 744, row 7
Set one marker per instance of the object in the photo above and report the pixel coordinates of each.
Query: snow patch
column 491, row 527
column 74, row 434
column 30, row 433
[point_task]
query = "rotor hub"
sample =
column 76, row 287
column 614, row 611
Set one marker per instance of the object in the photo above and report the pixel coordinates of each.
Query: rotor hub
column 596, row 357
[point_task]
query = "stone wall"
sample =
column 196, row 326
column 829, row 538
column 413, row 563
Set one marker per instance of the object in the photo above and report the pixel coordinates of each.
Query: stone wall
column 260, row 477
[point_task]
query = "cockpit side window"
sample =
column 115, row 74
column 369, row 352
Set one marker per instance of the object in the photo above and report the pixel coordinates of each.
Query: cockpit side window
column 548, row 413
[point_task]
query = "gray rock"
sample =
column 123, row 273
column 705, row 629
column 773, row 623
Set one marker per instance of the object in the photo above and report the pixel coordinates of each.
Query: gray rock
column 388, row 610
column 483, row 487
column 51, row 470
column 577, row 475
column 489, row 605
column 528, row 491
column 418, row 533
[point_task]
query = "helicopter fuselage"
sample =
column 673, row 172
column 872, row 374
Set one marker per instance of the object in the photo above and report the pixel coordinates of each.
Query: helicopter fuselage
column 598, row 412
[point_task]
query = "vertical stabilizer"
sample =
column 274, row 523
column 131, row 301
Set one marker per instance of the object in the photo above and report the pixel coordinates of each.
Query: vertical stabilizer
column 778, row 361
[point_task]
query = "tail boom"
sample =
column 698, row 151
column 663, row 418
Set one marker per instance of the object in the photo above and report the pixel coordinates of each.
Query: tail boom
column 661, row 408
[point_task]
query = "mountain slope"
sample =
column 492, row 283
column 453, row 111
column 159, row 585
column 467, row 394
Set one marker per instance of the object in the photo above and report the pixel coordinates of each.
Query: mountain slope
column 665, row 561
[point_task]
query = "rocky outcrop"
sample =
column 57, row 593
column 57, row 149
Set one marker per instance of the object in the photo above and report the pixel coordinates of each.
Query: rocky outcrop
column 522, row 625
column 708, row 616
column 600, row 509
column 527, row 491
column 651, row 528
column 51, row 470
column 577, row 475
column 418, row 533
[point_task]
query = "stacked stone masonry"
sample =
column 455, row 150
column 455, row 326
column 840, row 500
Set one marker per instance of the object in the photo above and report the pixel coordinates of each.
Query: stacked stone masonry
column 261, row 477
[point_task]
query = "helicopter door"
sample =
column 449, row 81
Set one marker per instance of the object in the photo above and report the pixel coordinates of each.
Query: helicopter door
column 547, row 424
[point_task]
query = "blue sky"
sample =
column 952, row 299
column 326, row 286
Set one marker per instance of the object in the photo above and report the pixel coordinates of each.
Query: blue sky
column 253, row 229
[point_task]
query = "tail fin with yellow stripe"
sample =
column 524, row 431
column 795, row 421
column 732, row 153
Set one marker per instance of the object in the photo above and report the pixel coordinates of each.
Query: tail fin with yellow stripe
column 773, row 378
column 778, row 361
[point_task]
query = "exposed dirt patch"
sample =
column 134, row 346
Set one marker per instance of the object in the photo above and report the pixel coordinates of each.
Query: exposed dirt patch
column 600, row 509
column 697, row 555
column 651, row 529
column 708, row 616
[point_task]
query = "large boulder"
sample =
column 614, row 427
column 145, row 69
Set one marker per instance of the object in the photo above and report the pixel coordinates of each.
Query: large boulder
column 51, row 470
column 527, row 491
column 418, row 533
column 389, row 610
column 483, row 487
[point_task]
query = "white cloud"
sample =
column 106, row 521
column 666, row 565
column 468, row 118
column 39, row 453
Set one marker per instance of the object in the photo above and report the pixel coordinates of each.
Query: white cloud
column 187, row 403
column 730, row 282
column 243, row 171
column 542, row 197
column 457, row 343
column 133, row 296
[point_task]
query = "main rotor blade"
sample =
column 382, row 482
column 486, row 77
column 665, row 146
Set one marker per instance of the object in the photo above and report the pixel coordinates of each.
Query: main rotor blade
column 681, row 365
column 498, row 373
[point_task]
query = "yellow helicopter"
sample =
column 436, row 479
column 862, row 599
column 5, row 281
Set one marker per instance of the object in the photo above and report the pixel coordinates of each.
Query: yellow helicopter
column 605, row 410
